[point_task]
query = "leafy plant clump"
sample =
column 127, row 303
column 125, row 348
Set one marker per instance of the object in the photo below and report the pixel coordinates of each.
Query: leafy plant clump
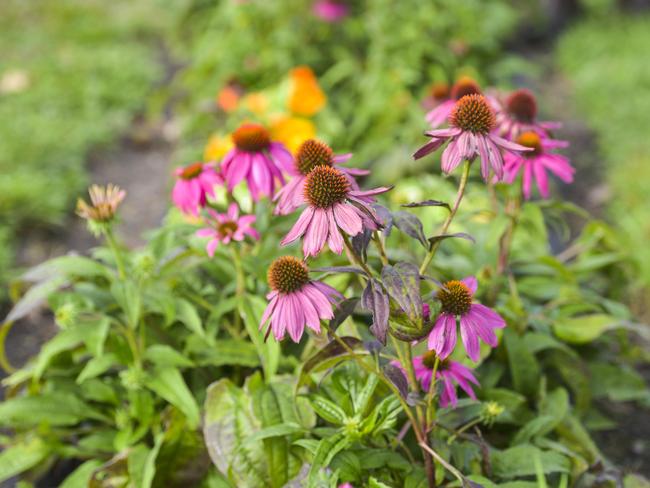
column 289, row 326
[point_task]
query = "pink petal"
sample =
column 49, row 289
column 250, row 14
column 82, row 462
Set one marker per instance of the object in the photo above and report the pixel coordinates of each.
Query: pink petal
column 470, row 338
column 299, row 227
column 471, row 283
column 347, row 219
column 335, row 240
column 316, row 233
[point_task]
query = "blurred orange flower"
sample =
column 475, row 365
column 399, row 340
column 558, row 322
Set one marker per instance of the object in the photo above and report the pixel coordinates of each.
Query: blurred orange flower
column 228, row 98
column 292, row 131
column 217, row 147
column 306, row 97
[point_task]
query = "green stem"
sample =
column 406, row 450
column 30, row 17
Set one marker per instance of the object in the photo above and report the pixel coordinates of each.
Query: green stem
column 112, row 244
column 380, row 247
column 431, row 409
column 445, row 226
column 129, row 333
column 356, row 259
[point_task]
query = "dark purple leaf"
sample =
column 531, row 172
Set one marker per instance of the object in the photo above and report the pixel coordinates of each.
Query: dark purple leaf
column 397, row 378
column 329, row 351
column 360, row 243
column 338, row 269
column 375, row 299
column 373, row 347
column 410, row 225
column 386, row 218
column 427, row 203
column 460, row 235
column 402, row 282
column 342, row 312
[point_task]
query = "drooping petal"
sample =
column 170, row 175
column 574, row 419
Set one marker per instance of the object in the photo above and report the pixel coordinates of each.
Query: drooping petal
column 300, row 227
column 495, row 320
column 335, row 240
column 470, row 338
column 347, row 219
column 442, row 338
column 316, row 233
column 471, row 283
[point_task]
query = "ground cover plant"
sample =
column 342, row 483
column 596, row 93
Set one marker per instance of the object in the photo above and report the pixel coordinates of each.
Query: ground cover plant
column 291, row 325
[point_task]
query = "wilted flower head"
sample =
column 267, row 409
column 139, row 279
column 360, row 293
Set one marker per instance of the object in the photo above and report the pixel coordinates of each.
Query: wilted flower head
column 476, row 320
column 445, row 99
column 518, row 113
column 194, row 184
column 296, row 301
column 310, row 154
column 257, row 159
column 330, row 10
column 470, row 135
column 332, row 207
column 227, row 227
column 103, row 203
column 535, row 163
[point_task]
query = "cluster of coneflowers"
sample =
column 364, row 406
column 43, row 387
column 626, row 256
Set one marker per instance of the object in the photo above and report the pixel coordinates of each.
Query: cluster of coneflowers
column 502, row 133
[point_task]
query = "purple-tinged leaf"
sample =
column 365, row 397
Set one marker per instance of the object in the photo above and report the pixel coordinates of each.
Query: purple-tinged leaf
column 338, row 269
column 427, row 203
column 375, row 299
column 360, row 243
column 397, row 378
column 331, row 350
column 410, row 225
column 460, row 235
column 402, row 282
column 342, row 312
column 386, row 218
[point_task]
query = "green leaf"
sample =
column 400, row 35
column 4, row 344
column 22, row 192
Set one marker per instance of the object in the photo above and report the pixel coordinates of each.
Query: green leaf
column 523, row 365
column 279, row 430
column 72, row 266
column 80, row 477
column 276, row 448
column 361, row 400
column 22, row 456
column 96, row 366
column 127, row 295
column 34, row 298
column 328, row 410
column 252, row 308
column 585, row 328
column 163, row 355
column 327, row 449
column 187, row 314
column 170, row 385
column 520, row 461
column 55, row 408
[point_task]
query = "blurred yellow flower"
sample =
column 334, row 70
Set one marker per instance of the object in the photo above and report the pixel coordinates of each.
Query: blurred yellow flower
column 217, row 147
column 305, row 95
column 292, row 131
column 257, row 103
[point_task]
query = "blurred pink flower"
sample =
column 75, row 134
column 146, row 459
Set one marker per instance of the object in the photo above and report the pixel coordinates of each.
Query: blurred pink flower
column 330, row 10
column 518, row 114
column 296, row 301
column 534, row 164
column 469, row 136
column 310, row 154
column 332, row 207
column 256, row 159
column 226, row 227
column 476, row 320
column 445, row 102
column 194, row 184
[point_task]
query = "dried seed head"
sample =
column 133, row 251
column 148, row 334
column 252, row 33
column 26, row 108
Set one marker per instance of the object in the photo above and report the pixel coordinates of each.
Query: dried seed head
column 455, row 297
column 287, row 274
column 251, row 138
column 522, row 106
column 325, row 186
column 312, row 153
column 473, row 113
column 104, row 203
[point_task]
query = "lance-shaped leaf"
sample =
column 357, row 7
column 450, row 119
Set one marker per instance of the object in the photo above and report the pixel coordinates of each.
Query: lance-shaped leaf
column 403, row 284
column 442, row 237
column 342, row 312
column 410, row 225
column 427, row 203
column 386, row 218
column 397, row 378
column 375, row 299
column 360, row 243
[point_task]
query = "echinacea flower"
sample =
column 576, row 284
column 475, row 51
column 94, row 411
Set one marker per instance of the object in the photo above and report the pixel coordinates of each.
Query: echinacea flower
column 103, row 203
column 296, row 301
column 330, row 10
column 534, row 164
column 310, row 154
column 518, row 113
column 445, row 99
column 257, row 159
column 469, row 136
column 476, row 320
column 227, row 227
column 194, row 184
column 449, row 373
column 332, row 207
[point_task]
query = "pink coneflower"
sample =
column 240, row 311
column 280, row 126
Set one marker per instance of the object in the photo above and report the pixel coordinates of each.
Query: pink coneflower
column 330, row 10
column 256, row 159
column 295, row 300
column 470, row 135
column 194, row 184
column 310, row 154
column 476, row 320
column 227, row 227
column 332, row 207
column 535, row 163
column 445, row 99
column 518, row 114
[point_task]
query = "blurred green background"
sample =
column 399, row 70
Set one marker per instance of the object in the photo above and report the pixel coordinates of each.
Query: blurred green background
column 79, row 77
